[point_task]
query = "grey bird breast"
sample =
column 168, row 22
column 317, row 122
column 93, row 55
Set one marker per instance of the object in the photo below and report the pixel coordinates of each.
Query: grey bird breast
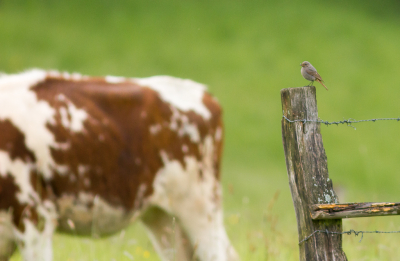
column 306, row 75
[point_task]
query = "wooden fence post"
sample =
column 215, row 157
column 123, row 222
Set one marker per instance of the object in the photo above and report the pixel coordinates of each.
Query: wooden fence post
column 307, row 169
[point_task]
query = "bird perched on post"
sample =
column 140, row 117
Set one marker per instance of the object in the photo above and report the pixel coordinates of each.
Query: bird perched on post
column 310, row 73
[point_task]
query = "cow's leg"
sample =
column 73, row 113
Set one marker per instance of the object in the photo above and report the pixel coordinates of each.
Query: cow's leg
column 167, row 236
column 202, row 219
column 7, row 240
column 192, row 193
column 34, row 239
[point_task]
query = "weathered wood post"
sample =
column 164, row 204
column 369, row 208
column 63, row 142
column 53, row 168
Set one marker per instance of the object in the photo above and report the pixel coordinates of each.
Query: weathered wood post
column 307, row 169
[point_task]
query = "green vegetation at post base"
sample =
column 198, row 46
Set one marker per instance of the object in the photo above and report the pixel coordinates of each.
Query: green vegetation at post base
column 246, row 52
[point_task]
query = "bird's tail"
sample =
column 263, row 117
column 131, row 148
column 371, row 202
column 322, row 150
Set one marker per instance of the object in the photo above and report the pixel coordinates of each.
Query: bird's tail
column 321, row 82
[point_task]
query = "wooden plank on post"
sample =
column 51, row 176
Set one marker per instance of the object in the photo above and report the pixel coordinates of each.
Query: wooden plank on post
column 353, row 210
column 307, row 169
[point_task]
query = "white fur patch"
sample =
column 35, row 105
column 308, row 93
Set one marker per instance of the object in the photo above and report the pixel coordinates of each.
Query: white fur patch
column 62, row 169
column 185, row 128
column 20, row 105
column 184, row 94
column 114, row 79
column 21, row 171
column 34, row 244
column 218, row 134
column 67, row 75
column 154, row 129
column 62, row 146
column 71, row 117
column 82, row 169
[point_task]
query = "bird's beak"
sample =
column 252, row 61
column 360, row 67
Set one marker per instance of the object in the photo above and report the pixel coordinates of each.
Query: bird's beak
column 300, row 64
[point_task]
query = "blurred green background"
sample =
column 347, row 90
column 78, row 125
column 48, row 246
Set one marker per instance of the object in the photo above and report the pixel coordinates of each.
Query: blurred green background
column 246, row 52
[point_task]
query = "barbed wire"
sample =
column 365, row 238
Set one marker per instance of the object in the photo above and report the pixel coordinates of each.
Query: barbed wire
column 348, row 122
column 349, row 232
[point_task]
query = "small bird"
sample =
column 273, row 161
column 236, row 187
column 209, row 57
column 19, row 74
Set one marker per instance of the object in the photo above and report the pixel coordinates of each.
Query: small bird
column 310, row 73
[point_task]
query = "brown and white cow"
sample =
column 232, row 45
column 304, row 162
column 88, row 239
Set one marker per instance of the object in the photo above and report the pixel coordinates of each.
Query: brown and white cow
column 88, row 155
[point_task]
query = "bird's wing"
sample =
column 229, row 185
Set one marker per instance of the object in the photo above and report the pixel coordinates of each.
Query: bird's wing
column 316, row 75
column 312, row 71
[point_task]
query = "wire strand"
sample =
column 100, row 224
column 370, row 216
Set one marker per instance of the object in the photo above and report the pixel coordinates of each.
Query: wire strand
column 349, row 232
column 348, row 122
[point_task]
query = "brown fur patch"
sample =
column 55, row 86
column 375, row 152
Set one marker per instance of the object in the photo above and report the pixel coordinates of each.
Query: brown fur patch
column 116, row 148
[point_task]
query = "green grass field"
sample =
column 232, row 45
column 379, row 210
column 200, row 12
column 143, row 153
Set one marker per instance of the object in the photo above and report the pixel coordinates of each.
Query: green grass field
column 246, row 52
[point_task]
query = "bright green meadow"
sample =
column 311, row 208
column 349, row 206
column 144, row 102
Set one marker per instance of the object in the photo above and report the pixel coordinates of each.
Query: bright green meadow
column 246, row 52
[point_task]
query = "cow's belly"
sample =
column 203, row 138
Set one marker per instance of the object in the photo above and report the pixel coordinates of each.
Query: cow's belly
column 87, row 214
